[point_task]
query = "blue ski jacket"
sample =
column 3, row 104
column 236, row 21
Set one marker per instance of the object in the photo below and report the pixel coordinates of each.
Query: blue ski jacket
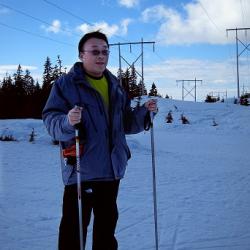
column 105, row 152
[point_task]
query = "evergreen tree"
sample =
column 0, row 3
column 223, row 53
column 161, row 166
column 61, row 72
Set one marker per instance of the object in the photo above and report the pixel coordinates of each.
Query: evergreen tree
column 13, row 95
column 59, row 62
column 142, row 88
column 133, row 88
column 37, row 87
column 57, row 70
column 7, row 86
column 48, row 75
column 125, row 82
column 129, row 82
column 19, row 82
column 184, row 119
column 6, row 94
column 244, row 100
column 169, row 117
column 210, row 98
column 29, row 85
column 153, row 90
column 21, row 97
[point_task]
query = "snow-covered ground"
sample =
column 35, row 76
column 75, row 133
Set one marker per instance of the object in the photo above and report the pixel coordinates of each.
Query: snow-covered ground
column 203, row 183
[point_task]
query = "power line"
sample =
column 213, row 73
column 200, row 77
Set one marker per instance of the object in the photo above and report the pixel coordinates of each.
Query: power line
column 216, row 26
column 80, row 18
column 164, row 60
column 34, row 34
column 32, row 17
column 44, row 22
column 75, row 16
column 66, row 11
column 23, row 13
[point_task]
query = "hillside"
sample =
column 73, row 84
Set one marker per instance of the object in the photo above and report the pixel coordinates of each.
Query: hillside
column 203, row 178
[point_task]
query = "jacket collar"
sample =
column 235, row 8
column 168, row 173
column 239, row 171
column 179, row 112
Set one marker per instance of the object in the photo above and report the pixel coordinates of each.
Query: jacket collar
column 78, row 75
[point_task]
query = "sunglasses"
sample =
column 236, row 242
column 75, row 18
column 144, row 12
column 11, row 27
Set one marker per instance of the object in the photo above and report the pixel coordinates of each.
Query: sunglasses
column 96, row 52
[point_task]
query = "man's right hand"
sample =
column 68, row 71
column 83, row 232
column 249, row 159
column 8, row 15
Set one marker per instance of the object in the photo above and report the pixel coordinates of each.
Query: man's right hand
column 75, row 115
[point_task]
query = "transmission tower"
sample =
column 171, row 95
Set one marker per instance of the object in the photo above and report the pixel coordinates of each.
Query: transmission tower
column 192, row 91
column 141, row 75
column 238, row 54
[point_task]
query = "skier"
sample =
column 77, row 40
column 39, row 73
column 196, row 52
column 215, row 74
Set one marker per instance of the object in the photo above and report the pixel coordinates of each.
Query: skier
column 103, row 115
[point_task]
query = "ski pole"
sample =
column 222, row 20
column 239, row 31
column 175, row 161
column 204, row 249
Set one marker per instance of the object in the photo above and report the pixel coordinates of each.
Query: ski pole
column 154, row 180
column 79, row 191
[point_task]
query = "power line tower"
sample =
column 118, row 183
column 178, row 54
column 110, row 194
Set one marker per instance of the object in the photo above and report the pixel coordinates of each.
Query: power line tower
column 238, row 54
column 192, row 91
column 140, row 56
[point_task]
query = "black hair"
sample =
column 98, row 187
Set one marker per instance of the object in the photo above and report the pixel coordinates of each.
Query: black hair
column 87, row 36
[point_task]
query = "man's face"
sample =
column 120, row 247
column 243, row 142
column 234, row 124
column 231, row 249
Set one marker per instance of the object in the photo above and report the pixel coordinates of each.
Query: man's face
column 94, row 56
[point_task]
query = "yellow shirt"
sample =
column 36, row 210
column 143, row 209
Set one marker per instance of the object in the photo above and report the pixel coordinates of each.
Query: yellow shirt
column 101, row 85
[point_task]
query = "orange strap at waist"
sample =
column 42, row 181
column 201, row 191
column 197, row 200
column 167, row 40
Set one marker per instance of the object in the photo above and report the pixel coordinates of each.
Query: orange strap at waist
column 71, row 151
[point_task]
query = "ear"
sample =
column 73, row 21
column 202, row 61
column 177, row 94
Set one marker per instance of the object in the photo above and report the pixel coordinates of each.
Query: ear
column 81, row 56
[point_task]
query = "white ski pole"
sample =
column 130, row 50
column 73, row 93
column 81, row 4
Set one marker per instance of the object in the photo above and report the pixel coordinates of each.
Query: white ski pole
column 79, row 191
column 154, row 180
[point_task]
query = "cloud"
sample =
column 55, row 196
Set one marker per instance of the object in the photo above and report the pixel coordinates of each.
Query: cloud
column 55, row 27
column 208, row 71
column 216, row 76
column 124, row 25
column 109, row 30
column 202, row 21
column 157, row 13
column 128, row 3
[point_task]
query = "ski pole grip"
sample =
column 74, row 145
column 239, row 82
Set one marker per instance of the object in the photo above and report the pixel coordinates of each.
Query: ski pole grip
column 151, row 116
column 77, row 126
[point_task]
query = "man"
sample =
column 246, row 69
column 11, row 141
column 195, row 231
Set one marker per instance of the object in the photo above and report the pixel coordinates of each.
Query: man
column 105, row 116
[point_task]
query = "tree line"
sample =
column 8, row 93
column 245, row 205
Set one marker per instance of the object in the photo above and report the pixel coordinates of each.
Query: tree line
column 23, row 97
column 129, row 82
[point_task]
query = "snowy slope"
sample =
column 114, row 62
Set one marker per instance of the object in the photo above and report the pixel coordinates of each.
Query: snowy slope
column 203, row 183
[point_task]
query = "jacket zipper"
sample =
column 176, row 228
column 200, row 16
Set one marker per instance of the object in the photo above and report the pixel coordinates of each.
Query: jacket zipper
column 91, row 118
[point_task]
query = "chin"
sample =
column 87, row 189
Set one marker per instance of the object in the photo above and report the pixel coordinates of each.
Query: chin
column 100, row 70
column 99, row 73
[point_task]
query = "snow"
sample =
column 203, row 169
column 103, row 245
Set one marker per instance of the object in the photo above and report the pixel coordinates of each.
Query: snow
column 202, row 174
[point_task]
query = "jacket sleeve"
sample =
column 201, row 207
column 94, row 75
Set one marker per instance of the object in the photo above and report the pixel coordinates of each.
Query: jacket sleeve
column 135, row 119
column 55, row 112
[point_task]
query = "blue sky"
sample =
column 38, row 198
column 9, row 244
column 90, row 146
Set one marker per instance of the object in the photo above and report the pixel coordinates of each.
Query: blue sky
column 190, row 39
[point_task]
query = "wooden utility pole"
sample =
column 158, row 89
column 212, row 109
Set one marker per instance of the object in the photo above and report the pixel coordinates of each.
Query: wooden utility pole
column 246, row 47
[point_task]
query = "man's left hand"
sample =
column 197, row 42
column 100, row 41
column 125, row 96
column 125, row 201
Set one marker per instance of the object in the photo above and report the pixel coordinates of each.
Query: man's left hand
column 151, row 105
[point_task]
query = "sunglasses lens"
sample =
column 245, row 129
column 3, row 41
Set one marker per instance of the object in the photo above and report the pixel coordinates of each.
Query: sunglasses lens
column 105, row 52
column 96, row 52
